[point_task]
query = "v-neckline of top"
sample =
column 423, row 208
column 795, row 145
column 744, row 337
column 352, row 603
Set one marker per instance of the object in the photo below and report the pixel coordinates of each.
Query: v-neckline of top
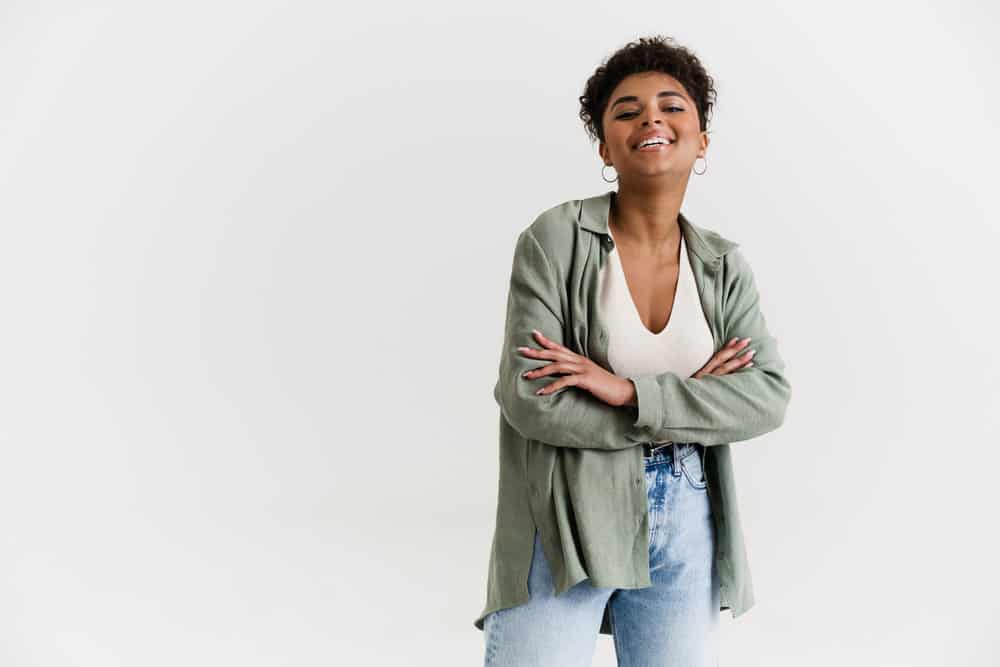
column 628, row 290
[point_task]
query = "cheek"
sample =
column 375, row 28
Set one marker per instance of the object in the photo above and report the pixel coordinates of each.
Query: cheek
column 617, row 139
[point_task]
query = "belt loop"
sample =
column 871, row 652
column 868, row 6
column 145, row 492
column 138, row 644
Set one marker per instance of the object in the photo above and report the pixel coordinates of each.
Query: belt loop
column 676, row 467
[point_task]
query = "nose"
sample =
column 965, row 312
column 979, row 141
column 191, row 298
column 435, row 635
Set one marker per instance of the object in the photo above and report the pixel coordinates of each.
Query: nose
column 653, row 114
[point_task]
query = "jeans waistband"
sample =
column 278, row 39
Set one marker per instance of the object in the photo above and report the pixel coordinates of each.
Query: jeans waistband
column 666, row 451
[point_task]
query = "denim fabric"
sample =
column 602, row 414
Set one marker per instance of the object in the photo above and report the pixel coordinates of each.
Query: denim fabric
column 672, row 623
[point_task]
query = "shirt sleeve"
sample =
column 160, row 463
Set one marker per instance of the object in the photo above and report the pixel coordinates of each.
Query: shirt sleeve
column 709, row 410
column 721, row 409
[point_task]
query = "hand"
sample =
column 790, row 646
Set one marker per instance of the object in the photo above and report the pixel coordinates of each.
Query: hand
column 580, row 372
column 727, row 359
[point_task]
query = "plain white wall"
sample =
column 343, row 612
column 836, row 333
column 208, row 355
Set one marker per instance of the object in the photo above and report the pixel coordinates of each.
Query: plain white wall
column 253, row 269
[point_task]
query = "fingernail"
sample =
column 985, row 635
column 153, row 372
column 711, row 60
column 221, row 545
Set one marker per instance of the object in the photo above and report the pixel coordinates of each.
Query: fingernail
column 539, row 391
column 536, row 331
column 522, row 349
column 751, row 353
column 748, row 365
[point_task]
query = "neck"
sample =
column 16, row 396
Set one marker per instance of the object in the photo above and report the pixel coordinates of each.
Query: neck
column 647, row 219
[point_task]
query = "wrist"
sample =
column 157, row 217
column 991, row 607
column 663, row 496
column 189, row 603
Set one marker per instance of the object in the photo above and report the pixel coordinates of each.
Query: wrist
column 629, row 395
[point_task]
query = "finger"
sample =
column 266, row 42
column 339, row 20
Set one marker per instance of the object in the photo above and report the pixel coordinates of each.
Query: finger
column 726, row 368
column 564, row 381
column 552, row 355
column 561, row 367
column 736, row 362
column 548, row 342
column 728, row 352
column 708, row 368
column 743, row 359
column 732, row 349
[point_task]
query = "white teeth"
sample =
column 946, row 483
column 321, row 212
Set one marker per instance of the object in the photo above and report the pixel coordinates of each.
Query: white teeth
column 650, row 142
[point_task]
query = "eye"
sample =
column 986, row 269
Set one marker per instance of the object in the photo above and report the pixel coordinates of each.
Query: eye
column 629, row 114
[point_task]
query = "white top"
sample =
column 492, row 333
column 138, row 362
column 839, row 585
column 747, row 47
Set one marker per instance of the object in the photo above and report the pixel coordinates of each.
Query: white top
column 684, row 345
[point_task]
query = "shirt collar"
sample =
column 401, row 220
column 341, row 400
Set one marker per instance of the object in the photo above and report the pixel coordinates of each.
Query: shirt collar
column 709, row 246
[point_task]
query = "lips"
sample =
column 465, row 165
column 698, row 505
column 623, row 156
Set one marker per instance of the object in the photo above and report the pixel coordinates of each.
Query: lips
column 653, row 135
column 652, row 148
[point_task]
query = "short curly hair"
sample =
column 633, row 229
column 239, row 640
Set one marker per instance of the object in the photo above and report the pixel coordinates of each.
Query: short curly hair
column 657, row 53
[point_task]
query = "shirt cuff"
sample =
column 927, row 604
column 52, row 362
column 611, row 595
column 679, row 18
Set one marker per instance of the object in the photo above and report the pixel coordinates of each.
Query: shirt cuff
column 648, row 400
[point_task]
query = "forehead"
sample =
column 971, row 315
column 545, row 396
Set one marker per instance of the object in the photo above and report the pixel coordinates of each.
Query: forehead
column 647, row 85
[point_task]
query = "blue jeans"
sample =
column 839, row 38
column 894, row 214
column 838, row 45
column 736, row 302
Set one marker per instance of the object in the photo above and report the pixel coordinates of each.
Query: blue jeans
column 672, row 623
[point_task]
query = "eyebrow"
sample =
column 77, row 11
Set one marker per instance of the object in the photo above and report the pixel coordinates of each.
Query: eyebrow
column 633, row 98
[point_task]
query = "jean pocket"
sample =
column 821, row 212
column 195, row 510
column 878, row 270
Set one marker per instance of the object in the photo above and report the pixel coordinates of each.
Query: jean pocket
column 693, row 468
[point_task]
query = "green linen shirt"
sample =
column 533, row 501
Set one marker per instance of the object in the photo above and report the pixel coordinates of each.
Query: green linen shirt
column 570, row 464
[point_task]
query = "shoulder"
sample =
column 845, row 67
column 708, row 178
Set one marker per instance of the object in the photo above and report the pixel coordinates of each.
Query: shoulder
column 550, row 238
column 738, row 274
column 556, row 228
column 732, row 258
column 708, row 243
column 717, row 241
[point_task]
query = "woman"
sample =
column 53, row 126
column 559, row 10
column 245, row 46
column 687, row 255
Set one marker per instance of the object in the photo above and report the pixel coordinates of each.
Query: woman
column 634, row 353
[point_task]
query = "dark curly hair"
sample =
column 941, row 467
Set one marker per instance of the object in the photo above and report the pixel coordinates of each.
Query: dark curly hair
column 657, row 53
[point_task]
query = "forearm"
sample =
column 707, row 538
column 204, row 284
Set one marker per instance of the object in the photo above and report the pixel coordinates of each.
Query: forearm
column 721, row 409
column 713, row 409
column 631, row 397
column 570, row 417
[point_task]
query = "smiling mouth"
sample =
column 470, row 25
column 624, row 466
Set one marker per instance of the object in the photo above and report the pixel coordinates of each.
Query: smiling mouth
column 654, row 141
column 652, row 148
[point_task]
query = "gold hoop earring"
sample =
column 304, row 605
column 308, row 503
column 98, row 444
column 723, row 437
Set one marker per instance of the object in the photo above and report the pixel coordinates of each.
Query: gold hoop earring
column 703, row 170
column 605, row 177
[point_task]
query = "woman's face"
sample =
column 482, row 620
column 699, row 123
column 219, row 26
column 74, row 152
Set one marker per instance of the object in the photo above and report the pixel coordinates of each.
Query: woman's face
column 651, row 103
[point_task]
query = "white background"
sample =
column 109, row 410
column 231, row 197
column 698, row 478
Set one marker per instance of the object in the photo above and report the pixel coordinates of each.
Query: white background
column 253, row 270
